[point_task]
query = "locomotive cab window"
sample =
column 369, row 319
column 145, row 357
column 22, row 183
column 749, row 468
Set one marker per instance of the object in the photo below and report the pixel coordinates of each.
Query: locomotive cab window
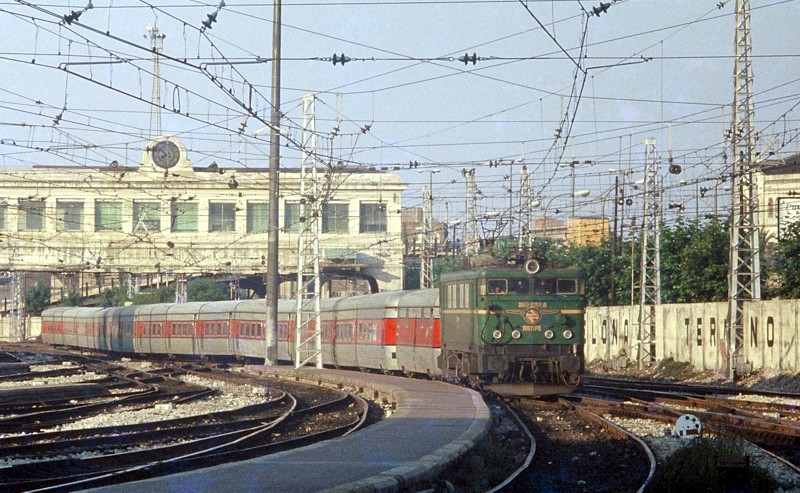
column 545, row 286
column 498, row 286
column 519, row 286
column 567, row 286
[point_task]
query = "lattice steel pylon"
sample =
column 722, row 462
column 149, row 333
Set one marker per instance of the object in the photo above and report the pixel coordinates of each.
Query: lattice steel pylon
column 525, row 209
column 744, row 276
column 426, row 259
column 308, row 331
column 157, row 45
column 650, row 266
column 471, row 238
column 17, row 321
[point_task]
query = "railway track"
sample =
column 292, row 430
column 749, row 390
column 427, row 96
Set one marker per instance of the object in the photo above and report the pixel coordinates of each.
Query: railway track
column 765, row 422
column 77, row 459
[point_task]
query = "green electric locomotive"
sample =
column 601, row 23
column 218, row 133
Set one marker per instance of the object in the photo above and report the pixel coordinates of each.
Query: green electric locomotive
column 516, row 331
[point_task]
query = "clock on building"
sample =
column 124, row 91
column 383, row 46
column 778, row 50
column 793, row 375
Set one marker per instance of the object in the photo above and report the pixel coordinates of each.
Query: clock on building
column 166, row 154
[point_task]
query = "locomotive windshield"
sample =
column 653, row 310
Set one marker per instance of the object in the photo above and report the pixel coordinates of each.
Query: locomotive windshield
column 556, row 286
column 508, row 286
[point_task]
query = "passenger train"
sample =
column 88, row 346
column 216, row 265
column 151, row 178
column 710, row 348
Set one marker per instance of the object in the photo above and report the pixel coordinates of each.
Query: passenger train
column 518, row 330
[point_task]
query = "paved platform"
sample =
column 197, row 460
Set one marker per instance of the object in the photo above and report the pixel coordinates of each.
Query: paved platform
column 433, row 424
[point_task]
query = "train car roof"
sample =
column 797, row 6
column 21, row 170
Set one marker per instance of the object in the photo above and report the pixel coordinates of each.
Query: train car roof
column 388, row 299
column 419, row 297
column 71, row 311
column 509, row 272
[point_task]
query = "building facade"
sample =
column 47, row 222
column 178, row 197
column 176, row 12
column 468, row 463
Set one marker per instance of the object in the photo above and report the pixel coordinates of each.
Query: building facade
column 165, row 217
column 778, row 185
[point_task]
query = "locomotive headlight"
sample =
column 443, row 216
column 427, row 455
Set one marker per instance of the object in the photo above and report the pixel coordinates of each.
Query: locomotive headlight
column 548, row 334
column 497, row 334
column 516, row 334
column 567, row 334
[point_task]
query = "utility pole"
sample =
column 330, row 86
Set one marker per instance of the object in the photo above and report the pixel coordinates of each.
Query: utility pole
column 471, row 239
column 650, row 266
column 428, row 235
column 524, row 209
column 272, row 278
column 308, row 330
column 744, row 276
column 613, row 244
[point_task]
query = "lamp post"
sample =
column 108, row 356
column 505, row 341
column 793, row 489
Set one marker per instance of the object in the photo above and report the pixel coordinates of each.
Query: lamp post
column 579, row 193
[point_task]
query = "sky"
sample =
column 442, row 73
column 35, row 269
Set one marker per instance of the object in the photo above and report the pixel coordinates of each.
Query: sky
column 77, row 90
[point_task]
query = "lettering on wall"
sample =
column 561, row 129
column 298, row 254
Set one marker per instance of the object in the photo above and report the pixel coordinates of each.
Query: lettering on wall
column 614, row 335
column 625, row 332
column 603, row 331
column 753, row 331
column 699, row 331
column 686, row 325
column 770, row 331
column 712, row 331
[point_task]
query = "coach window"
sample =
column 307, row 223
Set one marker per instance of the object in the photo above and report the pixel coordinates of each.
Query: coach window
column 3, row 216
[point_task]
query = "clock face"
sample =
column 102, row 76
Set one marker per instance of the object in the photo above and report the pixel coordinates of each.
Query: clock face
column 166, row 154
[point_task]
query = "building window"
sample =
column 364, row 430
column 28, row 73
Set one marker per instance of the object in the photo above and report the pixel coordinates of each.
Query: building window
column 3, row 214
column 257, row 217
column 372, row 218
column 291, row 216
column 108, row 216
column 183, row 217
column 146, row 217
column 334, row 218
column 69, row 216
column 31, row 215
column 221, row 217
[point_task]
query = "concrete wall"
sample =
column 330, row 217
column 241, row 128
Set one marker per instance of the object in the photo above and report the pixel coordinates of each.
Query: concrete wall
column 696, row 333
column 32, row 328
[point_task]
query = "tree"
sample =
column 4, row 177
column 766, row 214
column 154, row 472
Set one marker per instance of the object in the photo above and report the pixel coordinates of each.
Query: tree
column 73, row 298
column 205, row 290
column 37, row 299
column 595, row 260
column 694, row 262
column 787, row 264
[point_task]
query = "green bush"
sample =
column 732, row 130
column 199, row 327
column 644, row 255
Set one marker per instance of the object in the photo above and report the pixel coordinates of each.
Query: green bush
column 694, row 468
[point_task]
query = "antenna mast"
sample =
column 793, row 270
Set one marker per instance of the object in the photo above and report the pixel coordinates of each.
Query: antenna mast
column 157, row 45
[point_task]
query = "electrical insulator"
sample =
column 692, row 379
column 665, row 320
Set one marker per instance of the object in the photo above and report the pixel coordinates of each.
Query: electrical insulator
column 466, row 59
column 212, row 18
column 603, row 7
column 340, row 59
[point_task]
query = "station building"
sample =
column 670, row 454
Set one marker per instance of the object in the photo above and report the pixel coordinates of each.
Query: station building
column 164, row 219
column 778, row 185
